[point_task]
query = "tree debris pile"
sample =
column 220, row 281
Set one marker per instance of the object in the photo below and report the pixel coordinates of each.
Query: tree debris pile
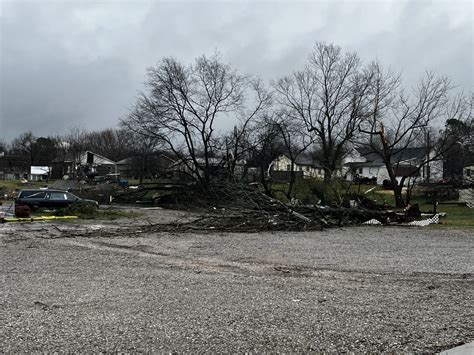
column 240, row 208
column 252, row 221
column 341, row 216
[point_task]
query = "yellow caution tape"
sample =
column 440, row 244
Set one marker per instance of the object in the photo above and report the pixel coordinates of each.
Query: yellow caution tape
column 35, row 219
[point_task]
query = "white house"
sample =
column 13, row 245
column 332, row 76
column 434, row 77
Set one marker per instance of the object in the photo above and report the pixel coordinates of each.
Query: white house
column 96, row 163
column 39, row 173
column 93, row 159
column 304, row 164
column 364, row 163
column 468, row 174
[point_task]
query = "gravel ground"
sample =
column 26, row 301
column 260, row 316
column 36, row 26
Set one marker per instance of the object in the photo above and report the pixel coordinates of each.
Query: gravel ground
column 354, row 289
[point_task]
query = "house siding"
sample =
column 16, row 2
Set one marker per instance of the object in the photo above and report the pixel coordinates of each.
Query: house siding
column 468, row 174
column 370, row 169
column 283, row 163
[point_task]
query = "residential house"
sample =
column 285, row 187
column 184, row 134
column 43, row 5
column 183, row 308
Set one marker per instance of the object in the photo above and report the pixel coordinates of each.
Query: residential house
column 467, row 162
column 362, row 162
column 304, row 165
column 92, row 163
column 38, row 173
column 468, row 174
column 125, row 167
column 164, row 162
column 149, row 165
column 86, row 165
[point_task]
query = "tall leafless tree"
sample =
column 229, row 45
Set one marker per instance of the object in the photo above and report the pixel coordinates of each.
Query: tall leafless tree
column 243, row 139
column 296, row 139
column 24, row 144
column 394, row 121
column 182, row 105
column 4, row 146
column 74, row 144
column 266, row 147
column 460, row 136
column 327, row 96
column 110, row 143
column 142, row 150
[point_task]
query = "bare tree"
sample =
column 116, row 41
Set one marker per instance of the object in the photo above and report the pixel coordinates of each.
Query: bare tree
column 267, row 146
column 75, row 144
column 24, row 144
column 395, row 121
column 183, row 103
column 4, row 146
column 243, row 139
column 327, row 96
column 39, row 150
column 296, row 140
column 109, row 143
column 46, row 150
column 142, row 151
column 460, row 142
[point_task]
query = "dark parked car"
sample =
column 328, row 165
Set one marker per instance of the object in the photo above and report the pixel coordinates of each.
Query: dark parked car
column 49, row 198
column 365, row 180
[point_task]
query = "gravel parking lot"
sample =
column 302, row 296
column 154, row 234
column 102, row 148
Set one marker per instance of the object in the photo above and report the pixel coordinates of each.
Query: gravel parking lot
column 352, row 289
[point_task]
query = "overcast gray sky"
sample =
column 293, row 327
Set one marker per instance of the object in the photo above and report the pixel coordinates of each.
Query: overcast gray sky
column 81, row 63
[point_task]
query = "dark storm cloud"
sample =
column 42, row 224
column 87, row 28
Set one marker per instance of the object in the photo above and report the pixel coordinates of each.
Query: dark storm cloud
column 81, row 63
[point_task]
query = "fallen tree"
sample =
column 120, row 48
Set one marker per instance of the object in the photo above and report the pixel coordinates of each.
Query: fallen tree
column 237, row 207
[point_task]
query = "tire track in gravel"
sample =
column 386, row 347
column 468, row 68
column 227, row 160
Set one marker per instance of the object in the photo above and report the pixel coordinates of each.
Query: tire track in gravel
column 198, row 265
column 260, row 268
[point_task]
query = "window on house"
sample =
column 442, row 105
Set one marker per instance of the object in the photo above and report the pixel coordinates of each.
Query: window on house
column 288, row 167
column 360, row 170
column 468, row 172
column 307, row 168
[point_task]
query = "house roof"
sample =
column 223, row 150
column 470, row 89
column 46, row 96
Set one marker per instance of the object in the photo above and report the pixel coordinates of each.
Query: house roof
column 39, row 170
column 368, row 153
column 172, row 158
column 306, row 160
column 415, row 153
column 97, row 159
column 401, row 155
